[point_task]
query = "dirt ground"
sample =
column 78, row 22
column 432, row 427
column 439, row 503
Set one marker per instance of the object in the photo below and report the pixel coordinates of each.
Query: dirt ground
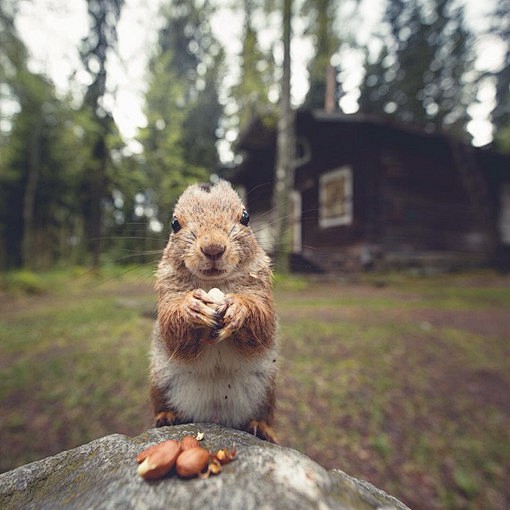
column 404, row 385
column 441, row 409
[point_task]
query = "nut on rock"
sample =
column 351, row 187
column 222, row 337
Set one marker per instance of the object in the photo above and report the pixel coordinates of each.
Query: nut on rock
column 188, row 442
column 156, row 461
column 187, row 456
column 192, row 462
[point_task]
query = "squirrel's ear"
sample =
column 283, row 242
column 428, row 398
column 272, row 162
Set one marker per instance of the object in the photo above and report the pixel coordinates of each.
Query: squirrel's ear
column 245, row 218
column 176, row 226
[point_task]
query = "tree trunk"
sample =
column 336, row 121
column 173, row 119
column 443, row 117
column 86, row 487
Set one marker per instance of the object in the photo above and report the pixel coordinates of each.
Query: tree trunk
column 284, row 172
column 97, row 194
column 33, row 171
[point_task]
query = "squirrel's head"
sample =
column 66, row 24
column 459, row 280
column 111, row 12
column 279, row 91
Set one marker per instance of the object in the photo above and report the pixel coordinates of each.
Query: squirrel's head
column 211, row 237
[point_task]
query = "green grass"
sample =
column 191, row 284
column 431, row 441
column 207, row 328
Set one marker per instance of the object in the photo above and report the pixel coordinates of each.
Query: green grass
column 403, row 384
column 402, row 381
column 74, row 364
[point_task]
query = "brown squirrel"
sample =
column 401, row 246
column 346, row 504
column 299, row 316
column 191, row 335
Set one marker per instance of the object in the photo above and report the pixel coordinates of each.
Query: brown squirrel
column 214, row 352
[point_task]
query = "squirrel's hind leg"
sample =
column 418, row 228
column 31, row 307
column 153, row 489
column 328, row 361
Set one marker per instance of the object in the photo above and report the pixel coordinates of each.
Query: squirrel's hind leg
column 262, row 430
column 164, row 418
column 163, row 413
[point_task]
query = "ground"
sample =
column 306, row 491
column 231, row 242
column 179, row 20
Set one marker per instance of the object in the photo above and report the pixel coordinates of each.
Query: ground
column 400, row 380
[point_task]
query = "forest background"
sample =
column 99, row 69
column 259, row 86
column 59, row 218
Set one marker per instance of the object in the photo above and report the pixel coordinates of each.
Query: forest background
column 74, row 190
column 430, row 355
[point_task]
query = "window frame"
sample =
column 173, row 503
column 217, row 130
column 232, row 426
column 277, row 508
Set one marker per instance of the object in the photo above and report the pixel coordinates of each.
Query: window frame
column 346, row 218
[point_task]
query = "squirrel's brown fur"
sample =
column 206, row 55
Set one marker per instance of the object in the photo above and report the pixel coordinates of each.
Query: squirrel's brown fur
column 214, row 362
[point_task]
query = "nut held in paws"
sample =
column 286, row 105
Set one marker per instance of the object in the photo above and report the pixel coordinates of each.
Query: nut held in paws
column 217, row 295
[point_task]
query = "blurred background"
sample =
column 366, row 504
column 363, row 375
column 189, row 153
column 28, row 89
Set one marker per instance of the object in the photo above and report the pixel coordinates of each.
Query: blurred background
column 370, row 140
column 108, row 109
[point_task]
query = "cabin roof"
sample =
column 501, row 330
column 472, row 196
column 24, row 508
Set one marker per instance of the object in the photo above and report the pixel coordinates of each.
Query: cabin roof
column 260, row 136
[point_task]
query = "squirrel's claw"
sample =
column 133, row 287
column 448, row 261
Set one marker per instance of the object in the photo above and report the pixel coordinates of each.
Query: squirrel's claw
column 261, row 430
column 201, row 314
column 203, row 296
column 165, row 418
column 233, row 317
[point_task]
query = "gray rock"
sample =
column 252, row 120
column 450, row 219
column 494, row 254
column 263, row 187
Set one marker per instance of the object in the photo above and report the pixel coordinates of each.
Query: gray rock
column 102, row 475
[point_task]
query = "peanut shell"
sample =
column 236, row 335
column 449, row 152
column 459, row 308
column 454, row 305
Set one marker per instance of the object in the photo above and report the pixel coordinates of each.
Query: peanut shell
column 188, row 442
column 217, row 295
column 156, row 461
column 192, row 462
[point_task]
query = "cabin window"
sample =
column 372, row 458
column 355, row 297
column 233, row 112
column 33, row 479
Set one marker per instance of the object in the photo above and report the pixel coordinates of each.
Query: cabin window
column 335, row 198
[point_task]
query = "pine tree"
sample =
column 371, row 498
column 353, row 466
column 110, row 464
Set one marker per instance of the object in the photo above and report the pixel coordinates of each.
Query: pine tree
column 102, row 38
column 501, row 112
column 251, row 93
column 321, row 17
column 284, row 165
column 39, row 160
column 420, row 76
column 182, row 106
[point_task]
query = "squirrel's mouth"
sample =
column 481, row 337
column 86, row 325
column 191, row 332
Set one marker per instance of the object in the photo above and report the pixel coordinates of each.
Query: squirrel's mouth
column 213, row 272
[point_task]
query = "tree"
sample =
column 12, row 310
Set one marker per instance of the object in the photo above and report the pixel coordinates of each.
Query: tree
column 420, row 76
column 15, row 80
column 501, row 113
column 39, row 155
column 256, row 76
column 102, row 38
column 284, row 171
column 182, row 106
column 321, row 26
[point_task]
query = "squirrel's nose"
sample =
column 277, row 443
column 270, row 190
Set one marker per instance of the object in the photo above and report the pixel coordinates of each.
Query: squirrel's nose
column 213, row 251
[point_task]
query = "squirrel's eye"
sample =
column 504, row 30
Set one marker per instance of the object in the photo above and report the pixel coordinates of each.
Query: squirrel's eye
column 176, row 226
column 245, row 218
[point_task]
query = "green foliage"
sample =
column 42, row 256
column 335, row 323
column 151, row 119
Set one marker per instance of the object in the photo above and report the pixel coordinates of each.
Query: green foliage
column 69, row 188
column 182, row 106
column 251, row 93
column 22, row 281
column 321, row 16
column 102, row 39
column 500, row 26
column 41, row 160
column 420, row 77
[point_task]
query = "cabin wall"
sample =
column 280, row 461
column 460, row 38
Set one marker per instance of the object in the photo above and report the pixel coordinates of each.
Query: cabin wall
column 409, row 201
column 412, row 199
column 334, row 148
column 424, row 204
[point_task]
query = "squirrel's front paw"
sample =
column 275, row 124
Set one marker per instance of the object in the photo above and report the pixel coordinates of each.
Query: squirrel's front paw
column 233, row 317
column 199, row 307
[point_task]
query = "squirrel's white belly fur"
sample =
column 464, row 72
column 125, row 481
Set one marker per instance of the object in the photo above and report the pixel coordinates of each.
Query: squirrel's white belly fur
column 219, row 386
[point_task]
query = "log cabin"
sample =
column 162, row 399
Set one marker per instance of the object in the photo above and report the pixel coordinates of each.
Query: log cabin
column 368, row 193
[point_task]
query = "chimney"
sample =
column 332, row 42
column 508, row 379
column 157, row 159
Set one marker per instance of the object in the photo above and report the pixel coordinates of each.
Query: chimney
column 330, row 95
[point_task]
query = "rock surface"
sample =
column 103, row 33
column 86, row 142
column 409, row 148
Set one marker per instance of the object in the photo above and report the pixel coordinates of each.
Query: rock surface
column 102, row 475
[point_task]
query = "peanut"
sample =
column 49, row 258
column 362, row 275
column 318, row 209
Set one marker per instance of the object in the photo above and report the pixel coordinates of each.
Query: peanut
column 188, row 442
column 192, row 462
column 217, row 295
column 156, row 461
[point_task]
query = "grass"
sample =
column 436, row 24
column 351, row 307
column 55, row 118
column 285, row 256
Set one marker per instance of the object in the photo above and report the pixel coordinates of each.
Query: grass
column 402, row 381
column 72, row 358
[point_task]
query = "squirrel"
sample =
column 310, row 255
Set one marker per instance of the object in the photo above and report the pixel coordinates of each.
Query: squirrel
column 214, row 350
